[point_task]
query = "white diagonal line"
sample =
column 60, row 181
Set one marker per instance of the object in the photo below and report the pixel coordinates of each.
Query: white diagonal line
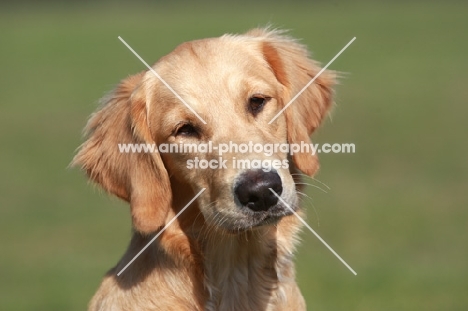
column 160, row 232
column 312, row 81
column 161, row 79
column 315, row 233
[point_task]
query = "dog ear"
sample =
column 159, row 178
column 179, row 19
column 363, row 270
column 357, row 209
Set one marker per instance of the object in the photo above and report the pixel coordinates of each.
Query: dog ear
column 293, row 68
column 138, row 178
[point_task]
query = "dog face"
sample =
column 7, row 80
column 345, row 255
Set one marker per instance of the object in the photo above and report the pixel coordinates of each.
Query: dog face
column 236, row 84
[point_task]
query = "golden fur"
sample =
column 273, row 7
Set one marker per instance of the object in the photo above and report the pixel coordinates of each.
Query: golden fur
column 212, row 257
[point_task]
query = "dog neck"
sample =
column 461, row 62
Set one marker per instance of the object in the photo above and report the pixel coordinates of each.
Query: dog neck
column 241, row 270
column 247, row 271
column 252, row 270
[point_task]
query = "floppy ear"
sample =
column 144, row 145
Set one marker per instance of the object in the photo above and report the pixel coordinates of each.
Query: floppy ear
column 293, row 68
column 138, row 178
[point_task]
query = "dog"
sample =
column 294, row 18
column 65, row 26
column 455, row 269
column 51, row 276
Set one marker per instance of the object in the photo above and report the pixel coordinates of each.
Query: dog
column 232, row 248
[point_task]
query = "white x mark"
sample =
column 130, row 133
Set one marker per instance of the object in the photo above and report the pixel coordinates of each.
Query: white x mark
column 311, row 81
column 161, row 79
column 160, row 232
column 315, row 233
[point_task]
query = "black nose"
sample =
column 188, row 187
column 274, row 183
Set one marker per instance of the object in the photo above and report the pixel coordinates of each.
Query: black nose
column 252, row 189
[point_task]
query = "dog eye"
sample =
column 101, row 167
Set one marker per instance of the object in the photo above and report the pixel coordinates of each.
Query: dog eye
column 186, row 130
column 256, row 103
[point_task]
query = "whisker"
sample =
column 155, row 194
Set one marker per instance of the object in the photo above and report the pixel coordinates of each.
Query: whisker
column 312, row 179
column 312, row 204
column 307, row 184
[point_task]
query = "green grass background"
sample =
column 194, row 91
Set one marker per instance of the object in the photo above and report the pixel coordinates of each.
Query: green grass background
column 396, row 211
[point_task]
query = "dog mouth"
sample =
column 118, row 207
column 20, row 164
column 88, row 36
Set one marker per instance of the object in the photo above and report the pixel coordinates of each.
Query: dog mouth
column 271, row 217
column 249, row 220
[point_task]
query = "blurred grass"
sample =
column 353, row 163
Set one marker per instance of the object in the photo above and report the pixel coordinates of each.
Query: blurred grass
column 396, row 211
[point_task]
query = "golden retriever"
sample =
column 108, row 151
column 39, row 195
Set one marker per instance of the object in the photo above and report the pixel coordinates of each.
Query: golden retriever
column 232, row 249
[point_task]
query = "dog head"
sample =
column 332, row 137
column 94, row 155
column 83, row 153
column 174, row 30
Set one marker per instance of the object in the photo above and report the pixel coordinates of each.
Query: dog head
column 218, row 92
